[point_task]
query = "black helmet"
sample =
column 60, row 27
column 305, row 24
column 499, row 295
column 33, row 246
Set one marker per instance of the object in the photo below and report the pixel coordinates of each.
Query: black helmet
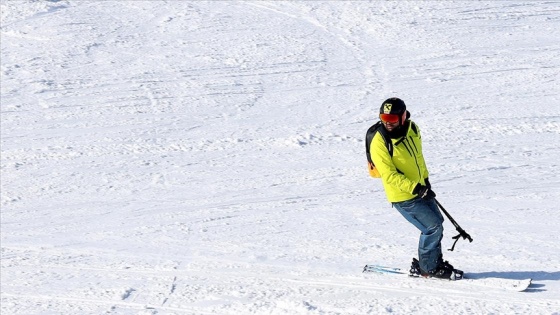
column 393, row 105
column 393, row 110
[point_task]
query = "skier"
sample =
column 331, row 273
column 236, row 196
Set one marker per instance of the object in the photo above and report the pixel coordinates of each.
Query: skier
column 405, row 180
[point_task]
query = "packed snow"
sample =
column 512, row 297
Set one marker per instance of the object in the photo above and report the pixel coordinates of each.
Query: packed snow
column 207, row 157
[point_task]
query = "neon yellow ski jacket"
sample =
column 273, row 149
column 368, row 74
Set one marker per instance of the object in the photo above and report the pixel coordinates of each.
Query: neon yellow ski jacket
column 401, row 173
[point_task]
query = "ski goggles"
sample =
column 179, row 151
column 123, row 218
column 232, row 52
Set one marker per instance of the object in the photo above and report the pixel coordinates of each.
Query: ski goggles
column 389, row 118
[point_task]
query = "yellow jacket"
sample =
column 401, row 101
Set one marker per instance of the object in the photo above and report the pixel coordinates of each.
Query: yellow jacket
column 402, row 172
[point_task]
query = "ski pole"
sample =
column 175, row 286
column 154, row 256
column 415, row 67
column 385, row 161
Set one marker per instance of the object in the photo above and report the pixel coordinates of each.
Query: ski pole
column 462, row 233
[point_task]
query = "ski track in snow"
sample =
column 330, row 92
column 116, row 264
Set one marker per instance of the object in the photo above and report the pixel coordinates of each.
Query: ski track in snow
column 166, row 157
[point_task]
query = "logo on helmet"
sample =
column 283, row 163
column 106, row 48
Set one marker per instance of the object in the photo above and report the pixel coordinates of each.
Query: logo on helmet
column 387, row 108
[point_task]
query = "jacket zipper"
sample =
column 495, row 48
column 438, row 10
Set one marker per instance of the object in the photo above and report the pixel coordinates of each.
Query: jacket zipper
column 412, row 151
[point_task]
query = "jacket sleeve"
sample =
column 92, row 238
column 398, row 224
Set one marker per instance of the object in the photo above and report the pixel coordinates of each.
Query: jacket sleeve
column 384, row 164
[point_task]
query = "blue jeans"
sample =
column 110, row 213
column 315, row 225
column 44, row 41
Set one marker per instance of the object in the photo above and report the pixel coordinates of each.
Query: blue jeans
column 425, row 216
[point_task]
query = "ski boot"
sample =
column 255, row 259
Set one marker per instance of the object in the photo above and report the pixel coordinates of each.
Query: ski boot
column 415, row 268
column 444, row 270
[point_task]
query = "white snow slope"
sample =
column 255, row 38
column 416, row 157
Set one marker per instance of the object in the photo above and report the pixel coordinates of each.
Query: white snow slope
column 191, row 157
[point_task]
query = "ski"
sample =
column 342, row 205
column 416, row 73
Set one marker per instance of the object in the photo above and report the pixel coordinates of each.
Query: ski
column 489, row 282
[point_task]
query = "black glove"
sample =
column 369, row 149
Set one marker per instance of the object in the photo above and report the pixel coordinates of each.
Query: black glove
column 428, row 183
column 424, row 192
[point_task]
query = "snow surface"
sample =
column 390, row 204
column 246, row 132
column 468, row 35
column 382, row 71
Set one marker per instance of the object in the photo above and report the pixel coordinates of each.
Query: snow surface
column 191, row 157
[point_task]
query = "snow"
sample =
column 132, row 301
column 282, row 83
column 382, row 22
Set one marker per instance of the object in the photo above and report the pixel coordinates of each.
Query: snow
column 192, row 157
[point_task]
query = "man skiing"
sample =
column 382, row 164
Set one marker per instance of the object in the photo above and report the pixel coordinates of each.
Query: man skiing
column 405, row 179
